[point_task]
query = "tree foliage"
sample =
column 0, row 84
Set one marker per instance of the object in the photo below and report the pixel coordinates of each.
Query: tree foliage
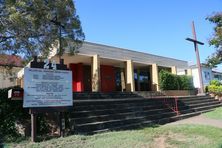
column 31, row 27
column 216, row 40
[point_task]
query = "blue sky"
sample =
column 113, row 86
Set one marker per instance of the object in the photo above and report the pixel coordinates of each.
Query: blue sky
column 152, row 26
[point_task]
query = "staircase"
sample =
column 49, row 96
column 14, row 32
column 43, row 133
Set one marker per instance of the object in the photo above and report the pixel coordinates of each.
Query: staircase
column 100, row 112
column 195, row 105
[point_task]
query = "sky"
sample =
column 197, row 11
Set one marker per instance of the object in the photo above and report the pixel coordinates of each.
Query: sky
column 157, row 27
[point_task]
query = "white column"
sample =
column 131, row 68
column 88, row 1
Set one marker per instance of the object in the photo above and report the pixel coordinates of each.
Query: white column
column 174, row 70
column 130, row 85
column 155, row 77
column 96, row 73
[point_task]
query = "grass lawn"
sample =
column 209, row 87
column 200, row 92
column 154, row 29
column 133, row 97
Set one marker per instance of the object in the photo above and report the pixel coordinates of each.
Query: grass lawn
column 216, row 114
column 165, row 136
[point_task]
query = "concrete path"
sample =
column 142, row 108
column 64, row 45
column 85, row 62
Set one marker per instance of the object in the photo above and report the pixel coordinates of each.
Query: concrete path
column 201, row 120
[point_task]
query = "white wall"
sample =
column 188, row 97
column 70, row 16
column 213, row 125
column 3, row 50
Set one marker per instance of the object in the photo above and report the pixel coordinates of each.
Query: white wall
column 195, row 75
column 206, row 74
column 8, row 77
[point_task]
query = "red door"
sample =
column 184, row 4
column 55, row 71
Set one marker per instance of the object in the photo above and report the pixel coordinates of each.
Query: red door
column 107, row 78
column 77, row 77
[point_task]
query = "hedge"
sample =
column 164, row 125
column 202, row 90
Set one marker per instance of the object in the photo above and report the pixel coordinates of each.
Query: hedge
column 169, row 81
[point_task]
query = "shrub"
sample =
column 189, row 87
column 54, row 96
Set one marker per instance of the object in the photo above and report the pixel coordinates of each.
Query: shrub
column 169, row 81
column 212, row 88
column 215, row 82
column 215, row 87
column 186, row 82
column 12, row 111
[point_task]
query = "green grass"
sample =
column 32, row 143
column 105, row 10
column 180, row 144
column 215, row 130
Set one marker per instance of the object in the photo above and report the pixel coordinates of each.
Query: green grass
column 168, row 136
column 216, row 114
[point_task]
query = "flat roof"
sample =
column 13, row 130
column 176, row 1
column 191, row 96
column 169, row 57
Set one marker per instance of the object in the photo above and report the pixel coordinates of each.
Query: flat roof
column 110, row 52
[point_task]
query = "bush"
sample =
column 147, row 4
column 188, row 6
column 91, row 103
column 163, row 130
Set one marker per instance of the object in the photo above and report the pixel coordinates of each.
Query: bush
column 186, row 82
column 169, row 81
column 11, row 112
column 212, row 88
column 215, row 82
column 215, row 87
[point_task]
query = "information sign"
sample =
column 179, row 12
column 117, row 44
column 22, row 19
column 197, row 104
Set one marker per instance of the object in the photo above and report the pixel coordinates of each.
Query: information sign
column 47, row 88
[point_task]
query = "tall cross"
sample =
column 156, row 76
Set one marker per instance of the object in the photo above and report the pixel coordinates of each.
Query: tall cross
column 196, row 42
column 59, row 24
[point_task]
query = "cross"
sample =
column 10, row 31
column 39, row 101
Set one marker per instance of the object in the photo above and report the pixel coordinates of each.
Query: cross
column 196, row 42
column 59, row 24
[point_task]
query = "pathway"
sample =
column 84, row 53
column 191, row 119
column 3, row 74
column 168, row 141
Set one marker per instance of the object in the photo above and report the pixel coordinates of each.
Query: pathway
column 201, row 120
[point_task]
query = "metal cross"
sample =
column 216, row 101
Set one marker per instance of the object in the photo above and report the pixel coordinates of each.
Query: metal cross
column 196, row 42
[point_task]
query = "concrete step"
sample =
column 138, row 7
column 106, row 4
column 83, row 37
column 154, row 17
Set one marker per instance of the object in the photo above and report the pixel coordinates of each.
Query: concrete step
column 198, row 105
column 188, row 115
column 197, row 100
column 129, row 109
column 108, row 100
column 107, row 112
column 151, row 122
column 194, row 98
column 105, row 117
column 97, row 95
column 201, row 108
column 116, row 106
column 94, row 126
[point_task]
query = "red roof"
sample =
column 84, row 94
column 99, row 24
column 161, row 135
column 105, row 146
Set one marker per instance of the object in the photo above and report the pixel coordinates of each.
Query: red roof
column 10, row 60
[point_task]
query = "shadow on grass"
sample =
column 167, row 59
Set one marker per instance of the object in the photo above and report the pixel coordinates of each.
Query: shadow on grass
column 18, row 139
column 45, row 137
column 151, row 125
column 12, row 139
column 1, row 143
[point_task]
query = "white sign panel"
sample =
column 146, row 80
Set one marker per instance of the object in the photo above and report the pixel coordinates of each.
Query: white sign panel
column 47, row 88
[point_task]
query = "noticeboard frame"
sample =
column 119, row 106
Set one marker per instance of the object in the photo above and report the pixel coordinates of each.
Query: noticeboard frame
column 36, row 110
column 47, row 88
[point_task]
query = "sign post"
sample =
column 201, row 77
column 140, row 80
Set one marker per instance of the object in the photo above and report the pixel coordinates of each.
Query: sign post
column 47, row 88
column 33, row 127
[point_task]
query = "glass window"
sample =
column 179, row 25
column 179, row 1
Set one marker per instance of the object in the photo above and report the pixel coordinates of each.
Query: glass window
column 207, row 75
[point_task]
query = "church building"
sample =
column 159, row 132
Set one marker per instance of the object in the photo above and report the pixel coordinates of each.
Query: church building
column 102, row 68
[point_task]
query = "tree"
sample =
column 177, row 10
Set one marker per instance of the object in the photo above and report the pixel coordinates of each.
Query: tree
column 216, row 40
column 31, row 27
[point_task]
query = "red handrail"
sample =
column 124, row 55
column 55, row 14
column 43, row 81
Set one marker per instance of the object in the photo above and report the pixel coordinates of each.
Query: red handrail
column 172, row 105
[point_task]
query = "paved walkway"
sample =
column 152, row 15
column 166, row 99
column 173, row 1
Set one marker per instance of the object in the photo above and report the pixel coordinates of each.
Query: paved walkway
column 202, row 120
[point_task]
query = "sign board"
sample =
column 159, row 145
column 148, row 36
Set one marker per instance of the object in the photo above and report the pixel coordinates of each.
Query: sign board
column 15, row 94
column 47, row 88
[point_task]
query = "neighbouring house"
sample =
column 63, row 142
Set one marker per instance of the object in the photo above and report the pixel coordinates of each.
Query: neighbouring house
column 9, row 66
column 208, row 74
column 102, row 68
column 217, row 75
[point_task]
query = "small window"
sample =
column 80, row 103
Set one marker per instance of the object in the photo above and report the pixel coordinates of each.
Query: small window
column 207, row 75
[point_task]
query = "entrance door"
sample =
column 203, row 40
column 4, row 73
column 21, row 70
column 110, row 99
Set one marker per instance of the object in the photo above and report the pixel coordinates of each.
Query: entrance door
column 87, row 78
column 142, row 78
column 107, row 78
column 118, row 79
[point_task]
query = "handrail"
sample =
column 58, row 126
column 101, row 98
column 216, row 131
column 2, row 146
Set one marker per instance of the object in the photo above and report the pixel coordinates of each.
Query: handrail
column 173, row 105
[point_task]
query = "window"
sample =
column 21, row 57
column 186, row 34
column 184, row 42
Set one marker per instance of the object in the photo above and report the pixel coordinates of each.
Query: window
column 207, row 75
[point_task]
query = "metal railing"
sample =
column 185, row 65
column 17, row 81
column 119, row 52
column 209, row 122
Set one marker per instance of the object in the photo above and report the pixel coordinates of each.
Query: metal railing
column 172, row 103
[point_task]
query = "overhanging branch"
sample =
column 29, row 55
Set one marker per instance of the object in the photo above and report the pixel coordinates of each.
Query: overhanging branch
column 5, row 38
